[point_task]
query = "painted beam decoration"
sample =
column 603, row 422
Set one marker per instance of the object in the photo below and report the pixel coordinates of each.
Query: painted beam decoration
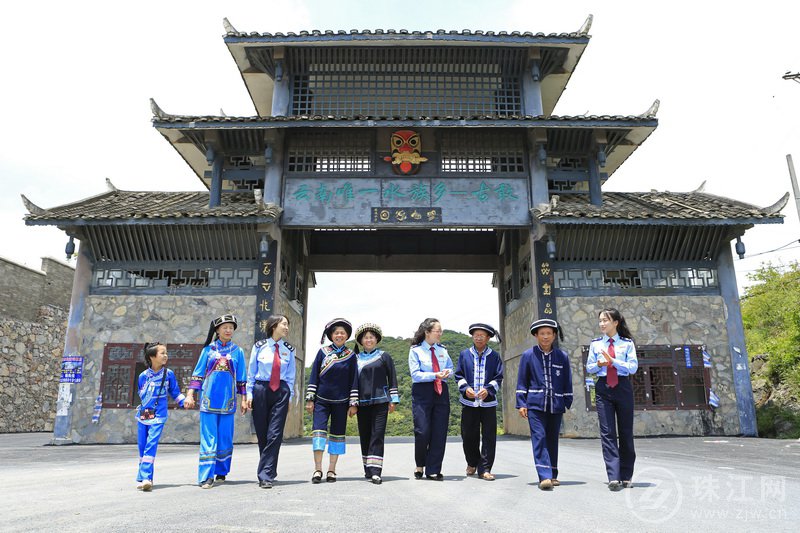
column 319, row 202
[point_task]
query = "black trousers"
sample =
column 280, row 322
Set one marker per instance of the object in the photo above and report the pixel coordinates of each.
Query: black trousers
column 479, row 436
column 431, row 418
column 615, row 414
column 371, row 432
column 269, row 418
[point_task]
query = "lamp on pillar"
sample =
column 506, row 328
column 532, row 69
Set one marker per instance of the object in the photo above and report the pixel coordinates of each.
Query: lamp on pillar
column 70, row 248
column 739, row 247
column 601, row 155
column 551, row 247
column 541, row 155
column 263, row 246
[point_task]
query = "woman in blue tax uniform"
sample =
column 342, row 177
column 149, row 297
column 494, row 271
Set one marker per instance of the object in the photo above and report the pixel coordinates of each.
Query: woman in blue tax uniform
column 613, row 358
column 430, row 366
column 270, row 387
column 332, row 395
column 377, row 397
column 479, row 373
column 544, row 393
column 154, row 385
column 220, row 374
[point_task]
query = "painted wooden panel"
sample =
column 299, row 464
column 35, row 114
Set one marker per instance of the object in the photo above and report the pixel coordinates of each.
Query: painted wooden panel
column 343, row 202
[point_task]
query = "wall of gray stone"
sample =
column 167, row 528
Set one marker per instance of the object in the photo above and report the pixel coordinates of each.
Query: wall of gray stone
column 24, row 290
column 516, row 340
column 30, row 368
column 293, row 311
column 673, row 320
column 137, row 319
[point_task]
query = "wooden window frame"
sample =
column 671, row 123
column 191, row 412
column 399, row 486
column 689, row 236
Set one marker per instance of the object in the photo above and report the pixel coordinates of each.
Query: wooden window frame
column 128, row 359
column 662, row 356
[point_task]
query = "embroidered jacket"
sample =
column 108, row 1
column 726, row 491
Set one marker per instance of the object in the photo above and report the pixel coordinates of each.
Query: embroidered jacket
column 149, row 387
column 544, row 381
column 377, row 378
column 221, row 373
column 484, row 370
column 334, row 376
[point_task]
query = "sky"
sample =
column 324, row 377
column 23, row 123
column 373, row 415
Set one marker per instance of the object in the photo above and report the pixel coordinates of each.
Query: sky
column 77, row 78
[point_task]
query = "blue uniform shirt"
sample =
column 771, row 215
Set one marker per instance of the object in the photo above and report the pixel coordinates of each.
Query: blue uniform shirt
column 421, row 365
column 260, row 367
column 625, row 360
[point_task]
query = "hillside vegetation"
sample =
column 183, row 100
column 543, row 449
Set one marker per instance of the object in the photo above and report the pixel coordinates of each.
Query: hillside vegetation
column 401, row 422
column 771, row 317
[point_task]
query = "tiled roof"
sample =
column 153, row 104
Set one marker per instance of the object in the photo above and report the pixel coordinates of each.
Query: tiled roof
column 406, row 34
column 131, row 205
column 314, row 118
column 652, row 206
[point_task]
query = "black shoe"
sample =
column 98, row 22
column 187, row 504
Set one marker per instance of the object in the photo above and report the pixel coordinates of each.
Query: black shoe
column 317, row 477
column 435, row 477
column 219, row 479
column 417, row 474
column 265, row 484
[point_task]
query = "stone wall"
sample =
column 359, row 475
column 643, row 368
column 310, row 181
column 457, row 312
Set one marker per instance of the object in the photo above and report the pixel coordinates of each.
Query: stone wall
column 24, row 290
column 516, row 339
column 137, row 319
column 291, row 310
column 674, row 320
column 30, row 367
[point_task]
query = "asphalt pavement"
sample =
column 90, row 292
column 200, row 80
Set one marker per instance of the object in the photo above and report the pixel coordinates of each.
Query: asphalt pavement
column 708, row 484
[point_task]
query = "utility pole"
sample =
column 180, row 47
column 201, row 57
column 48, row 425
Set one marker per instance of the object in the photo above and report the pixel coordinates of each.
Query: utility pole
column 795, row 188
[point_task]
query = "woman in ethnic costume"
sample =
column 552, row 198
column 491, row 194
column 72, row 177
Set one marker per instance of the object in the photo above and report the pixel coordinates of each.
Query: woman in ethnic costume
column 154, row 385
column 221, row 374
column 332, row 395
column 377, row 397
column 430, row 366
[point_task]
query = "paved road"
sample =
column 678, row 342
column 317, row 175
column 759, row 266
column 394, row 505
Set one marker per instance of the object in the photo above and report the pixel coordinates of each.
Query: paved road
column 708, row 484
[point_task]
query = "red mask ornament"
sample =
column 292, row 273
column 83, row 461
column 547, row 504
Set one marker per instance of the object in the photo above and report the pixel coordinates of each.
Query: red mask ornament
column 406, row 157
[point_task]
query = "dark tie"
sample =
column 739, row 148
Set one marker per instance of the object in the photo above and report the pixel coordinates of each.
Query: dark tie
column 437, row 383
column 275, row 376
column 611, row 374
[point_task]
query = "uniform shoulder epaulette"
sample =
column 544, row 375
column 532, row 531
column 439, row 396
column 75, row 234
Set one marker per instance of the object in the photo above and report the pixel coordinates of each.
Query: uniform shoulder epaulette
column 597, row 339
column 291, row 348
column 626, row 339
column 416, row 345
column 440, row 344
column 261, row 343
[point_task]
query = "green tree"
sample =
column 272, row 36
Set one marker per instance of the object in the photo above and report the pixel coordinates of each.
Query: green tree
column 771, row 318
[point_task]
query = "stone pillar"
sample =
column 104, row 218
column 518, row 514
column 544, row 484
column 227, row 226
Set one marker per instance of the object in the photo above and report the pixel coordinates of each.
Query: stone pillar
column 72, row 343
column 738, row 349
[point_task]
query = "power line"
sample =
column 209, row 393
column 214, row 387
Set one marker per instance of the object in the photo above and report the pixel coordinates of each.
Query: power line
column 776, row 249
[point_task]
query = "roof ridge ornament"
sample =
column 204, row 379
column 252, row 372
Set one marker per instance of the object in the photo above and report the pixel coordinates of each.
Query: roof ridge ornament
column 773, row 209
column 701, row 188
column 110, row 186
column 228, row 26
column 586, row 25
column 32, row 207
column 157, row 111
column 652, row 110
